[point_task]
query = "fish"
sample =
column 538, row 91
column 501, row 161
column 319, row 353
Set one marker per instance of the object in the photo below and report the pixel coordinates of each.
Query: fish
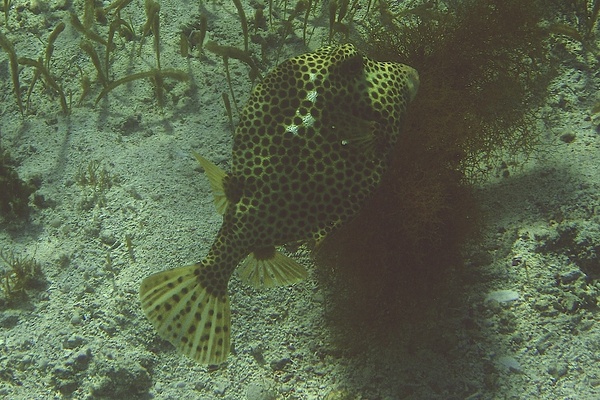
column 311, row 146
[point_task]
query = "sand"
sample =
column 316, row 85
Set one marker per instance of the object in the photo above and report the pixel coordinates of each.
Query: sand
column 80, row 333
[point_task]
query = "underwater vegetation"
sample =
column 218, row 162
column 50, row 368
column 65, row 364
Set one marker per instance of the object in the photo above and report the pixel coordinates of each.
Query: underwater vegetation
column 99, row 28
column 270, row 34
column 578, row 20
column 18, row 274
column 106, row 31
column 484, row 69
column 14, row 196
column 41, row 68
column 94, row 180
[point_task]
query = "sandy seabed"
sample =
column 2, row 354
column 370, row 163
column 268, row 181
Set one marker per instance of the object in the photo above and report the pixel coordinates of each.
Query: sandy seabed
column 523, row 325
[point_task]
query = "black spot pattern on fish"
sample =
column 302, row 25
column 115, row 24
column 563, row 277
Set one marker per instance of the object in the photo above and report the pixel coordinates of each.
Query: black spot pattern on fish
column 312, row 144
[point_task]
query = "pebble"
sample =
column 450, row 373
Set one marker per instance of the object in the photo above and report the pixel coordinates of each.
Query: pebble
column 571, row 304
column 586, row 325
column 570, row 276
column 55, row 222
column 134, row 193
column 108, row 238
column 256, row 391
column 83, row 357
column 24, row 362
column 59, row 5
column 510, row 363
column 542, row 345
column 319, row 297
column 558, row 370
column 36, row 6
column 502, row 296
column 278, row 365
column 73, row 341
column 285, row 389
column 567, row 137
column 220, row 387
column 493, row 306
column 76, row 319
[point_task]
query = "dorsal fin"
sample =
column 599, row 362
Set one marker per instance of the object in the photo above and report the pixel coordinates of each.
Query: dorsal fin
column 215, row 176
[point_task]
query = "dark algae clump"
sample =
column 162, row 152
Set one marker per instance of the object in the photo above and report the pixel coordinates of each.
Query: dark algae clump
column 14, row 192
column 484, row 69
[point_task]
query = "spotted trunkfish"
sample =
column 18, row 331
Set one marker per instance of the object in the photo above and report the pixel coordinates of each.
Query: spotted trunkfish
column 311, row 146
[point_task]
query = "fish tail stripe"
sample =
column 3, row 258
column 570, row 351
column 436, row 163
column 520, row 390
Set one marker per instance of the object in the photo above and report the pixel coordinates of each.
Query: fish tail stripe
column 158, row 292
column 187, row 315
column 172, row 318
column 212, row 340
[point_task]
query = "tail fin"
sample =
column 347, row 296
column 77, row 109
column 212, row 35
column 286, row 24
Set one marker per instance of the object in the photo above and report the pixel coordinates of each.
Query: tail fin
column 195, row 321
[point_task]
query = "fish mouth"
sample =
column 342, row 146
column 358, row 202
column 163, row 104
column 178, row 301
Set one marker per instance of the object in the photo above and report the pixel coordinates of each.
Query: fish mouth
column 413, row 82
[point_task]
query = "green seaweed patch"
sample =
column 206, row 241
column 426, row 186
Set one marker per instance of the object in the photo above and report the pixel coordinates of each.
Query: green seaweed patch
column 95, row 180
column 155, row 75
column 19, row 274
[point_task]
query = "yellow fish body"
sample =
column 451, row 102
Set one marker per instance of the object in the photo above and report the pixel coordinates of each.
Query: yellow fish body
column 311, row 146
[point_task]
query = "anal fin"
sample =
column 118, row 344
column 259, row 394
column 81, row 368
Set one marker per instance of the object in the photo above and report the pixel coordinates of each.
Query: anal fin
column 267, row 267
column 183, row 312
